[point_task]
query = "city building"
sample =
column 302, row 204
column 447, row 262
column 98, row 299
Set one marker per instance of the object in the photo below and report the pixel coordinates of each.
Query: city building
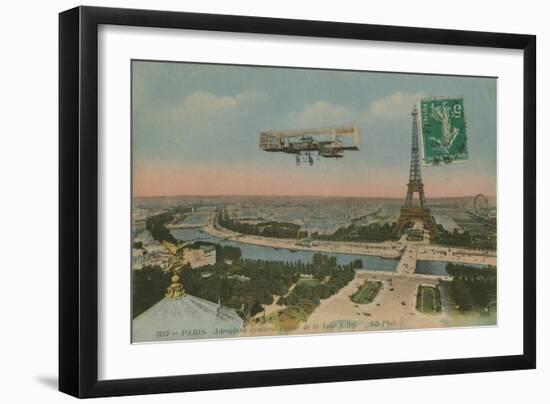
column 200, row 257
column 139, row 226
column 150, row 254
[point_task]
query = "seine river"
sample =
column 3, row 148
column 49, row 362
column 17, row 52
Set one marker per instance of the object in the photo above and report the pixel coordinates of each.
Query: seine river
column 438, row 267
column 252, row 251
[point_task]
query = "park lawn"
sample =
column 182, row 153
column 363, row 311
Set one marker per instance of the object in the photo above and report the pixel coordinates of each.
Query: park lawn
column 428, row 299
column 367, row 292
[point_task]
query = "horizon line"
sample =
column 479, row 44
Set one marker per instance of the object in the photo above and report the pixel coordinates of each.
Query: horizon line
column 301, row 196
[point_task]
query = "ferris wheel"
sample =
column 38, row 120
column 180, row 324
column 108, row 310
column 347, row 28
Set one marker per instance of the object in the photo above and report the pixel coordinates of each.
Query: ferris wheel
column 481, row 205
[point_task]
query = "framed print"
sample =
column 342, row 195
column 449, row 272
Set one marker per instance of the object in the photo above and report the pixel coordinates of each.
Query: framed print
column 250, row 201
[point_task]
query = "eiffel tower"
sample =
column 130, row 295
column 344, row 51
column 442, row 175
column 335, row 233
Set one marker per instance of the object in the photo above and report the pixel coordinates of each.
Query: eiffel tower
column 409, row 212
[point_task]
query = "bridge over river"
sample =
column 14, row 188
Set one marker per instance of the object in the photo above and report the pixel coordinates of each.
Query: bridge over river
column 407, row 265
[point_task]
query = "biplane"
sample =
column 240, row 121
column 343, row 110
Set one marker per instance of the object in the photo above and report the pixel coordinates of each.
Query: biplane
column 307, row 143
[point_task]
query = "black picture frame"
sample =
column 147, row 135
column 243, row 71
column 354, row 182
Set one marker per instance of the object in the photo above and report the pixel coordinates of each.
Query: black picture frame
column 78, row 200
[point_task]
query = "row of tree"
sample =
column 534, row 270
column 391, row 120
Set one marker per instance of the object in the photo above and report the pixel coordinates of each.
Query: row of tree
column 265, row 229
column 148, row 287
column 472, row 289
column 463, row 239
column 245, row 285
column 373, row 232
column 157, row 226
column 329, row 278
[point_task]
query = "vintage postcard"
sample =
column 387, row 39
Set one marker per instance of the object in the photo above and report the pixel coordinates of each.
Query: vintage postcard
column 274, row 201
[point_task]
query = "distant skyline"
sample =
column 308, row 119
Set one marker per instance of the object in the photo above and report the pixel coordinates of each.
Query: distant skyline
column 196, row 131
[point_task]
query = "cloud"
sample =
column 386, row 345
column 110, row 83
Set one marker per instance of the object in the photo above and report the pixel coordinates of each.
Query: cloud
column 201, row 106
column 322, row 113
column 397, row 105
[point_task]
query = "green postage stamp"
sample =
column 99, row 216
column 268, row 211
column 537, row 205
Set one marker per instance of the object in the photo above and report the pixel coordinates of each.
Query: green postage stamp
column 442, row 130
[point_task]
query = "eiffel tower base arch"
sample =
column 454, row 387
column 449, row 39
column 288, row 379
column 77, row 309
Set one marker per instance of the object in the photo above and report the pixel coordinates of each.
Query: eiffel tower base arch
column 412, row 215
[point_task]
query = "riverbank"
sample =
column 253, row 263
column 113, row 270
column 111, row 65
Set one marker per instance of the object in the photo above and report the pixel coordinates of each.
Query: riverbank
column 456, row 255
column 389, row 250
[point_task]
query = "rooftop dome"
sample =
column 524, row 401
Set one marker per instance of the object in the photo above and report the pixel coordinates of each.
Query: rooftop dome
column 180, row 316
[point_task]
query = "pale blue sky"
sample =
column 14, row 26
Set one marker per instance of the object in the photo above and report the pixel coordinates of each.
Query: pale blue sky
column 188, row 115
